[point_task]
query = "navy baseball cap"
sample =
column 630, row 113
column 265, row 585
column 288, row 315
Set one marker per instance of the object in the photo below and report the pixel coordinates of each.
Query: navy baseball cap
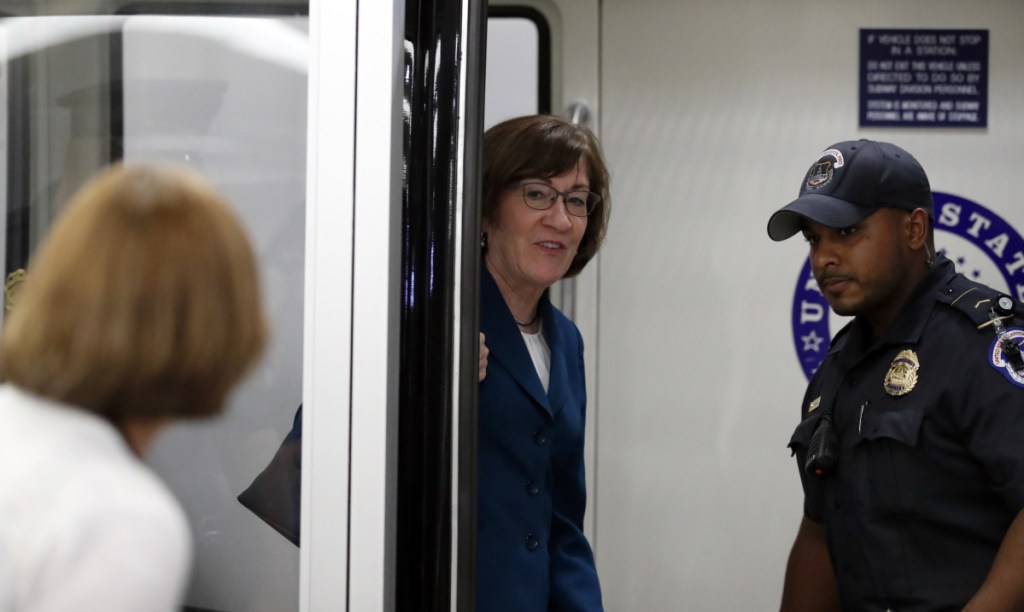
column 850, row 181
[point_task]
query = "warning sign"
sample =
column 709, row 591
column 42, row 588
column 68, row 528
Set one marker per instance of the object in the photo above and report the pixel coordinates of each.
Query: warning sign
column 924, row 78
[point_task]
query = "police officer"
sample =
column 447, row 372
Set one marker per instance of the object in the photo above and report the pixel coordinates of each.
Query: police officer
column 911, row 443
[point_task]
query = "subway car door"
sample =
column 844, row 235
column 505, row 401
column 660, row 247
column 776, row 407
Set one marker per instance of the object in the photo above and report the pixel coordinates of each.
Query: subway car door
column 344, row 134
column 301, row 114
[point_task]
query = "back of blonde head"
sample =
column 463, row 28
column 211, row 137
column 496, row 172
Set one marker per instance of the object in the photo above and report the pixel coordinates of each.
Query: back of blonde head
column 143, row 300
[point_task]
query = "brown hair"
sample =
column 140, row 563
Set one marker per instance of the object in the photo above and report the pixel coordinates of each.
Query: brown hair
column 142, row 302
column 543, row 146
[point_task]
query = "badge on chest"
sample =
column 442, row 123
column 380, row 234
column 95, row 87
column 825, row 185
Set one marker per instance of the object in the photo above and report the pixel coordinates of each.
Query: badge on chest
column 902, row 375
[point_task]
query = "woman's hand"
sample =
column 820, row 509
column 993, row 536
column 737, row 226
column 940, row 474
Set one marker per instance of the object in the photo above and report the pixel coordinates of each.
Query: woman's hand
column 483, row 356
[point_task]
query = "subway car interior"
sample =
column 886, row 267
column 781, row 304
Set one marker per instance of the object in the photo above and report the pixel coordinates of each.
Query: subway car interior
column 347, row 135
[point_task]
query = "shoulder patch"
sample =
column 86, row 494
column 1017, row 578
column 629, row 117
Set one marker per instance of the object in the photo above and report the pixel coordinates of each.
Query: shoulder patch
column 994, row 312
column 1005, row 355
column 978, row 301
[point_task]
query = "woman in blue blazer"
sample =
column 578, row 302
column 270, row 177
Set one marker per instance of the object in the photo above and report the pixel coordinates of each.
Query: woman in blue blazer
column 545, row 210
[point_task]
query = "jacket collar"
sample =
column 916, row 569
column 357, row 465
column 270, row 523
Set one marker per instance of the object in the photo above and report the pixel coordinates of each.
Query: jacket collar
column 506, row 342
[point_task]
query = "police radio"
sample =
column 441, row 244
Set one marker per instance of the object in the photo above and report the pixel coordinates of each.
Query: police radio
column 823, row 447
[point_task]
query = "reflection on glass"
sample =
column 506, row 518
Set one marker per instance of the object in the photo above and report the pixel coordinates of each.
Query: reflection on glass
column 226, row 96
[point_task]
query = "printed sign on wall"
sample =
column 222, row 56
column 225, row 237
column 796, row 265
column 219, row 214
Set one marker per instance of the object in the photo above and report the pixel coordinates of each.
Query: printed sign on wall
column 924, row 78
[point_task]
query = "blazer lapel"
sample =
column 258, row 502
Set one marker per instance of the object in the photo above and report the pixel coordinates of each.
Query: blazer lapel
column 506, row 342
column 558, row 381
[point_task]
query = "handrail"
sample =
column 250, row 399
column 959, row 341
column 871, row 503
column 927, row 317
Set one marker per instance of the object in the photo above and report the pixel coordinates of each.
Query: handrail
column 578, row 113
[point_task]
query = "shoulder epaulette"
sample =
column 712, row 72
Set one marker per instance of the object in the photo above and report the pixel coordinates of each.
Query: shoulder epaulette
column 977, row 301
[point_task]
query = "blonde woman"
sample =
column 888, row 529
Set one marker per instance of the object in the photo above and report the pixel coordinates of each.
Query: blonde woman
column 141, row 307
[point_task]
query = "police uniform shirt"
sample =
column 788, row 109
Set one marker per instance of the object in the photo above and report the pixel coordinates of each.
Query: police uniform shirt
column 929, row 478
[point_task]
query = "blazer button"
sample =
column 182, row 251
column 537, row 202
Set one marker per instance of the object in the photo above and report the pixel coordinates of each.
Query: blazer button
column 532, row 542
column 540, row 438
column 533, row 489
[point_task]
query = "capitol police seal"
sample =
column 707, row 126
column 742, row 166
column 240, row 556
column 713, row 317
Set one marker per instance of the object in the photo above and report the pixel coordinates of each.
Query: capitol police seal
column 997, row 355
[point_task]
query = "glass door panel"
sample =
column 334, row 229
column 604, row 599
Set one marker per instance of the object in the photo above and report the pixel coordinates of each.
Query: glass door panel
column 227, row 96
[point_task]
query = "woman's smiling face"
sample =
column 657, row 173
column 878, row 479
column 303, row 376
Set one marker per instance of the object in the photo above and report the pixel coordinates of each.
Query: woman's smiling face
column 534, row 248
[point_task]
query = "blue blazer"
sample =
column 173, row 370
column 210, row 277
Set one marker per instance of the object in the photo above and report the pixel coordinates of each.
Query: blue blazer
column 531, row 552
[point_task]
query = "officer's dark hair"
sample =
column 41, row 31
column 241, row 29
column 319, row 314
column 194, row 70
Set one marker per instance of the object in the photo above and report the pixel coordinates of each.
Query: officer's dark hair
column 545, row 146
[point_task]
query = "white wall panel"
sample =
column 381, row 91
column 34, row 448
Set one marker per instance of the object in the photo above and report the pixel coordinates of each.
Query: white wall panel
column 710, row 115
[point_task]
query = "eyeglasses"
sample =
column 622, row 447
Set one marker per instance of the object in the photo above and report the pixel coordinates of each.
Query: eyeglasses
column 541, row 196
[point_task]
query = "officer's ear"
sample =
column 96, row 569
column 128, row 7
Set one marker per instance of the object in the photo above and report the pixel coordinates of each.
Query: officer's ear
column 916, row 228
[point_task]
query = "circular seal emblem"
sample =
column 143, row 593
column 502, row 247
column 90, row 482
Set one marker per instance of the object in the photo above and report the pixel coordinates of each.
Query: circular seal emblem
column 963, row 229
column 819, row 175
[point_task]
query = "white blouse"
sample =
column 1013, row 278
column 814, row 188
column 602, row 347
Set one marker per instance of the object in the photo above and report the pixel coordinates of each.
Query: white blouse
column 541, row 355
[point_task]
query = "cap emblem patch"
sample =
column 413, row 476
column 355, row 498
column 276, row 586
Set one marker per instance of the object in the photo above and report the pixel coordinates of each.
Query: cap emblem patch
column 820, row 175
